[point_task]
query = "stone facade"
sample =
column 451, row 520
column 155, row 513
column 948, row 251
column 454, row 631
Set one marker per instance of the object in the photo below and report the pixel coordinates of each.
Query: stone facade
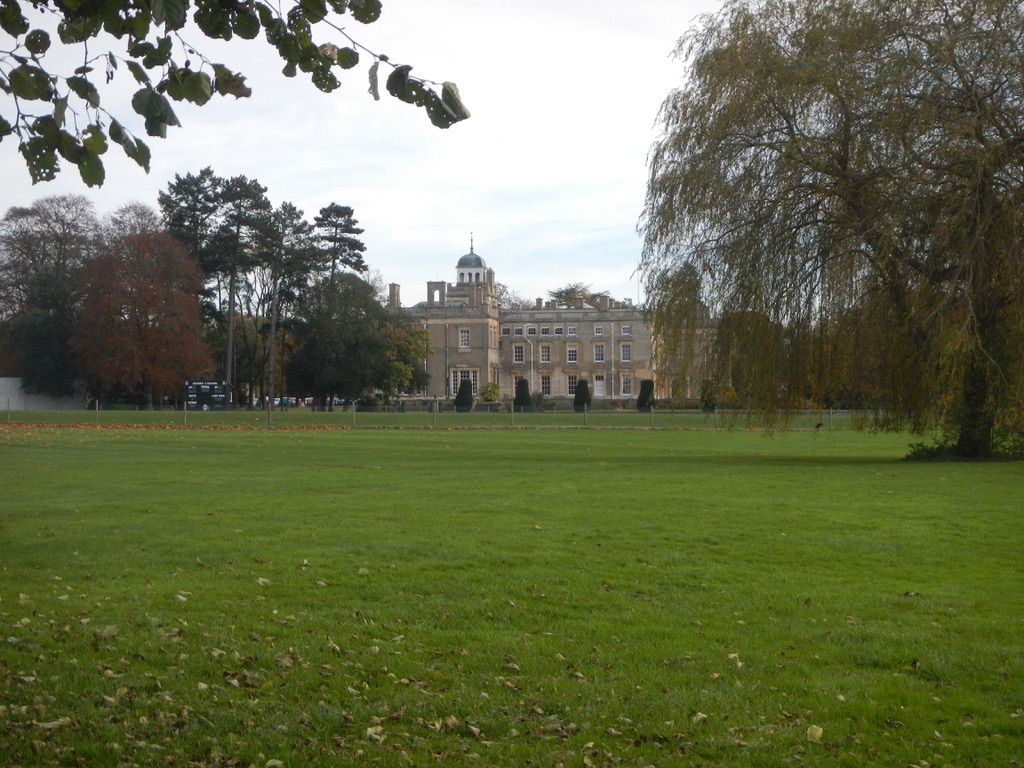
column 605, row 342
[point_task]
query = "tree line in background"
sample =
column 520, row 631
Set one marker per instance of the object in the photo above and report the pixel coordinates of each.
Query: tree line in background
column 219, row 284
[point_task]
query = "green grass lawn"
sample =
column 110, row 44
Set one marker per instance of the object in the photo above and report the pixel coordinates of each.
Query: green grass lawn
column 506, row 597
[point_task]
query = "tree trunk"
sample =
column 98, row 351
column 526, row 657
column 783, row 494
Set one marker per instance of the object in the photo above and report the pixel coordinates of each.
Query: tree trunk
column 977, row 418
column 229, row 344
column 273, row 356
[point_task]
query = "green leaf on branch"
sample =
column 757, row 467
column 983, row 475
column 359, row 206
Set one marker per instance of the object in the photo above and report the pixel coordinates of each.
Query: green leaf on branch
column 156, row 109
column 229, row 83
column 347, row 58
column 47, row 128
column 314, row 10
column 69, row 147
column 137, row 26
column 453, row 102
column 398, row 83
column 6, row 129
column 438, row 112
column 152, row 55
column 324, row 79
column 79, row 29
column 137, row 72
column 90, row 168
column 443, row 111
column 28, row 82
column 11, row 19
column 140, row 154
column 246, row 24
column 41, row 159
column 184, row 84
column 198, row 88
column 169, row 14
column 365, row 11
column 215, row 20
column 133, row 148
column 37, row 41
column 94, row 142
column 85, row 90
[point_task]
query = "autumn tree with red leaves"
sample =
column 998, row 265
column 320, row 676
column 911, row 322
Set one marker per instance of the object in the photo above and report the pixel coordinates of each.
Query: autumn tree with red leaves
column 140, row 329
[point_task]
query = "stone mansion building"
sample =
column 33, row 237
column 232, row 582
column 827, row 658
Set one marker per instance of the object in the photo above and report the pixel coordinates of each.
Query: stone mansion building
column 606, row 342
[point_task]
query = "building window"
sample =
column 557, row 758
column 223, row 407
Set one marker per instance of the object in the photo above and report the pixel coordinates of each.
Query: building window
column 627, row 330
column 461, row 375
column 599, row 330
column 572, row 385
column 599, row 353
column 506, row 331
column 627, row 353
column 558, row 330
column 545, row 331
column 531, row 331
column 519, row 331
column 463, row 338
column 545, row 385
column 571, row 355
column 627, row 385
column 571, row 330
column 545, row 353
column 518, row 353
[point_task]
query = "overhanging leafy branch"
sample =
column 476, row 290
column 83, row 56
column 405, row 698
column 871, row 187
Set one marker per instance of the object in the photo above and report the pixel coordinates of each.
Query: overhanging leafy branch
column 61, row 115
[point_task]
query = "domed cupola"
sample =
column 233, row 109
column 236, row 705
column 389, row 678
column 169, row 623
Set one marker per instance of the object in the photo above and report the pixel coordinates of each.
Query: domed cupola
column 472, row 268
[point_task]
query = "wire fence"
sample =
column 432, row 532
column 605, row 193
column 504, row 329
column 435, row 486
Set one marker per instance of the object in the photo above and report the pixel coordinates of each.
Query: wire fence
column 445, row 416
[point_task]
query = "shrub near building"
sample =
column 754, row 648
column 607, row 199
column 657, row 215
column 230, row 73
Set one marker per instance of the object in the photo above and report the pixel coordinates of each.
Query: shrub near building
column 522, row 400
column 581, row 400
column 464, row 397
column 645, row 400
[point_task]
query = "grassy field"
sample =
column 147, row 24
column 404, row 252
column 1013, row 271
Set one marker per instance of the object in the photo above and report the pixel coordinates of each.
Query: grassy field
column 505, row 597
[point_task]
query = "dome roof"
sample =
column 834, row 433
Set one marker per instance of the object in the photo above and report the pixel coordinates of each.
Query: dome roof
column 470, row 261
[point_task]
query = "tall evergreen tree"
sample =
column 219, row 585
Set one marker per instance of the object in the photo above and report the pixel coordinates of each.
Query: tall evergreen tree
column 243, row 206
column 336, row 229
column 289, row 257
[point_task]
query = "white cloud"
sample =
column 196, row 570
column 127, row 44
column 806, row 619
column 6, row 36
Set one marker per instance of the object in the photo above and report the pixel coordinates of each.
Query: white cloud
column 549, row 173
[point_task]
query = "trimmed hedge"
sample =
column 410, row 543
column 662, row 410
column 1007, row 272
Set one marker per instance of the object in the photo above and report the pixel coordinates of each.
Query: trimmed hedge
column 522, row 400
column 464, row 398
column 581, row 399
column 645, row 400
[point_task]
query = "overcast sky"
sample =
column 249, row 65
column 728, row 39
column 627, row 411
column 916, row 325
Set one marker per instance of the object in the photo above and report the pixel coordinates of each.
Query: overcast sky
column 548, row 174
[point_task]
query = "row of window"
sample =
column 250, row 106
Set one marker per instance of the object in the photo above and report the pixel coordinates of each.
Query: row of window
column 572, row 353
column 558, row 330
column 599, row 383
column 625, row 385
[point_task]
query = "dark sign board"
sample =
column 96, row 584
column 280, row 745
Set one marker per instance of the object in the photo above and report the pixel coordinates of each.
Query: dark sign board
column 208, row 396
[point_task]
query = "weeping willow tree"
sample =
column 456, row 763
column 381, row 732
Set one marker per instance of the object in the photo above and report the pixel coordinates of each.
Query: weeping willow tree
column 840, row 185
